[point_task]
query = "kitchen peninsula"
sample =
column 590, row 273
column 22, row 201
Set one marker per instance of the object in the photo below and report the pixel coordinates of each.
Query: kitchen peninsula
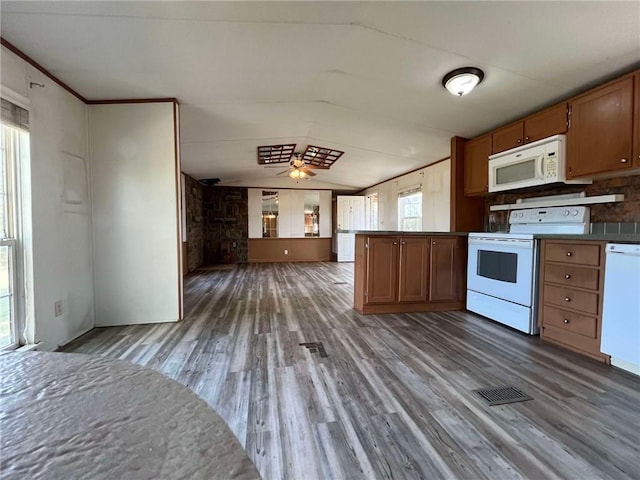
column 409, row 271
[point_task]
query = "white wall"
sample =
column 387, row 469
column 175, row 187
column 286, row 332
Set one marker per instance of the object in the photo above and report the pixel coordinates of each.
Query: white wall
column 59, row 234
column 136, row 226
column 435, row 183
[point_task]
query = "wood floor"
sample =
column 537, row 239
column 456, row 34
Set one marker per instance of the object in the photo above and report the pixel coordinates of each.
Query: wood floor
column 393, row 397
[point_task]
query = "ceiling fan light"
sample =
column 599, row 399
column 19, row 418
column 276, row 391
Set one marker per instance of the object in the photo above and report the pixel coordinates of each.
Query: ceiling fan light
column 462, row 80
column 294, row 174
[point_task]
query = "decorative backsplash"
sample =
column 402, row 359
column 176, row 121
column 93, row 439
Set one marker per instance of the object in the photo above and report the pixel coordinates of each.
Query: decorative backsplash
column 605, row 217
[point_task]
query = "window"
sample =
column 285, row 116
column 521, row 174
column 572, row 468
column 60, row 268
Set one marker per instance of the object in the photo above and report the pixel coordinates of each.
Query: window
column 371, row 211
column 410, row 211
column 14, row 141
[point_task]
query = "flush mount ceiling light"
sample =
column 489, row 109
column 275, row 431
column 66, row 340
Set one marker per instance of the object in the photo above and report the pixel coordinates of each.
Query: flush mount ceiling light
column 462, row 80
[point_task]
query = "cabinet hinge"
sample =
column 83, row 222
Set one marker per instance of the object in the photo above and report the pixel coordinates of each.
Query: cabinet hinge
column 366, row 294
column 366, row 245
column 568, row 118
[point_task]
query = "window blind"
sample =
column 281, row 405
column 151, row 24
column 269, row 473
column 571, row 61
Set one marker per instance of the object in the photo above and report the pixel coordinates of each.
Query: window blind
column 14, row 115
column 411, row 191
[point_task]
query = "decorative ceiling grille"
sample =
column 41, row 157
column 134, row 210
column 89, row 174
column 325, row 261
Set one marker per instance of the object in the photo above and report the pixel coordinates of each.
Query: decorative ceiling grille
column 268, row 154
column 321, row 157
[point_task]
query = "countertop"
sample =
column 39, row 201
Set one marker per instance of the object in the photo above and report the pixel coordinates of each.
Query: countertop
column 405, row 234
column 602, row 237
column 606, row 237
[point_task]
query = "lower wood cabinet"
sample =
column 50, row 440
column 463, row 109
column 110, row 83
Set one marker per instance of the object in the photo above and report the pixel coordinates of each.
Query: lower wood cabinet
column 414, row 273
column 571, row 288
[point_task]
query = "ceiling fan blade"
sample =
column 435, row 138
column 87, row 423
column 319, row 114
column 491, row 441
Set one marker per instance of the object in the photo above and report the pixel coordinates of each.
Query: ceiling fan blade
column 283, row 172
column 307, row 171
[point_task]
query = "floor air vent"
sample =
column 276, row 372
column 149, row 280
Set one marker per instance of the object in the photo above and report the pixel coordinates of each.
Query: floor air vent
column 315, row 347
column 501, row 395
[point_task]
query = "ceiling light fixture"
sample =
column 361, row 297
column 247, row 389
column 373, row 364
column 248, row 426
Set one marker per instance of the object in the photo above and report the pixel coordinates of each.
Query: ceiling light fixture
column 462, row 80
column 296, row 174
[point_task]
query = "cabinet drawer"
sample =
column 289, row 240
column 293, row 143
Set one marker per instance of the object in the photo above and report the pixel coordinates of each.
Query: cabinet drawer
column 575, row 341
column 574, row 300
column 575, row 253
column 572, row 276
column 573, row 322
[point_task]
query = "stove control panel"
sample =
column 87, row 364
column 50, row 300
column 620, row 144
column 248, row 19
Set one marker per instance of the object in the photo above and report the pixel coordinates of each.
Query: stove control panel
column 572, row 214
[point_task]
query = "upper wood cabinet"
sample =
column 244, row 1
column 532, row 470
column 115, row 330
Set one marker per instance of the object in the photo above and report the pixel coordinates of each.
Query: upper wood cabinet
column 636, row 120
column 476, row 165
column 601, row 133
column 543, row 124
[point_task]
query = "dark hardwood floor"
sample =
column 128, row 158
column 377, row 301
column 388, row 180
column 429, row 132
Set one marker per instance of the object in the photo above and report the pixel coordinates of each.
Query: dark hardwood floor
column 393, row 397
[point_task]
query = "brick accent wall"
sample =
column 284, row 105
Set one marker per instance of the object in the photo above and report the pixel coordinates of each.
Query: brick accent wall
column 226, row 225
column 627, row 211
column 195, row 226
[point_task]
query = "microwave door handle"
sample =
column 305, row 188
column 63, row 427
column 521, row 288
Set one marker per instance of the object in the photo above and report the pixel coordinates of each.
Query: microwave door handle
column 539, row 167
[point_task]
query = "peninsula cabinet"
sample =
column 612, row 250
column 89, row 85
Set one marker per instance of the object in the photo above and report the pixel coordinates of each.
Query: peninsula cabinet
column 542, row 124
column 410, row 273
column 600, row 138
column 476, row 165
column 571, row 288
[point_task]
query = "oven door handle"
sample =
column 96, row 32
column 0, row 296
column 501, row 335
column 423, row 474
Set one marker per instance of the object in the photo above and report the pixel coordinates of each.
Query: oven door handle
column 505, row 243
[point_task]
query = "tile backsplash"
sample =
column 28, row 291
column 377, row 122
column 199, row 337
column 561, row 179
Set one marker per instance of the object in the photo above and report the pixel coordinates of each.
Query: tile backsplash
column 620, row 217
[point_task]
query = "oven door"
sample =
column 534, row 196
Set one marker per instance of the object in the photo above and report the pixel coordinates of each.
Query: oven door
column 501, row 268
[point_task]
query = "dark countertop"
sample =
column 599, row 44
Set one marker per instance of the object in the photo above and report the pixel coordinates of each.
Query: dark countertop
column 404, row 234
column 602, row 237
column 606, row 237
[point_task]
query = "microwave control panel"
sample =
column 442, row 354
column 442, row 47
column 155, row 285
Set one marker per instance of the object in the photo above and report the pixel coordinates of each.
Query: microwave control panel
column 550, row 161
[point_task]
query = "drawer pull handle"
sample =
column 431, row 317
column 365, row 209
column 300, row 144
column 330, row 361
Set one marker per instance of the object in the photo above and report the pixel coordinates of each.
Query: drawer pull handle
column 567, row 299
column 395, row 243
column 623, row 160
column 403, row 243
column 569, row 254
column 566, row 320
column 567, row 276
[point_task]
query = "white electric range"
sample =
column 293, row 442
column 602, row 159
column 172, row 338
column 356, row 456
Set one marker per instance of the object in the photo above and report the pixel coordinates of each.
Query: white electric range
column 502, row 267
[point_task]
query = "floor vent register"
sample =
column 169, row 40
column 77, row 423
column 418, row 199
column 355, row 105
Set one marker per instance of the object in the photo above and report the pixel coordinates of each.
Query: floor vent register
column 502, row 395
column 315, row 347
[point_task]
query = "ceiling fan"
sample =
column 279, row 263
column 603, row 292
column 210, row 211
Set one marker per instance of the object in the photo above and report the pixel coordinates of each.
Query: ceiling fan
column 298, row 168
column 300, row 164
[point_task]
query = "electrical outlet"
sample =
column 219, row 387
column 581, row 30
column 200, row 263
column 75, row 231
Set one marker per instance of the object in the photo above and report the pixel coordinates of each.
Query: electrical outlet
column 286, row 252
column 57, row 306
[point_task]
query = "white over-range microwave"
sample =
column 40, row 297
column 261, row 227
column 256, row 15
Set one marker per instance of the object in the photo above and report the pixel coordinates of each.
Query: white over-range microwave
column 537, row 163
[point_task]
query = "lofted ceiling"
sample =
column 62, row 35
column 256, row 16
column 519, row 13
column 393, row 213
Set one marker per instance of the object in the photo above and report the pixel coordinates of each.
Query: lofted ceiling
column 361, row 77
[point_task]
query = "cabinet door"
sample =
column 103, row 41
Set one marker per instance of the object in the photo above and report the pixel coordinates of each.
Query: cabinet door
column 636, row 120
column 548, row 122
column 507, row 137
column 476, row 165
column 601, row 130
column 444, row 274
column 382, row 270
column 414, row 269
